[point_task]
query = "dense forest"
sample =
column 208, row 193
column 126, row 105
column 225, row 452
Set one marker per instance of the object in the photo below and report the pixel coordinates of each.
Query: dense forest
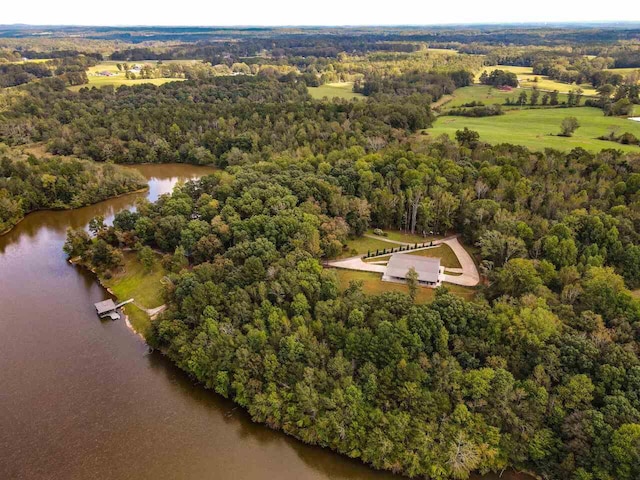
column 221, row 120
column 28, row 184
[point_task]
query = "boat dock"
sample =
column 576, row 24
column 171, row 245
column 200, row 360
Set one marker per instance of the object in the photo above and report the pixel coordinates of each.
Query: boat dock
column 108, row 308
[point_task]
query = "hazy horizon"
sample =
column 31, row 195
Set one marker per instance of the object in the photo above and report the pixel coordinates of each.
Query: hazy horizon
column 331, row 13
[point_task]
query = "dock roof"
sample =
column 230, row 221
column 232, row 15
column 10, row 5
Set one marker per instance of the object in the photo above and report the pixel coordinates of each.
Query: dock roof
column 105, row 306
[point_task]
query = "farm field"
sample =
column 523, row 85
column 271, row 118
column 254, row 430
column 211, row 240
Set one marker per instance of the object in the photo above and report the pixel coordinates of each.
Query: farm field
column 373, row 285
column 527, row 79
column 538, row 128
column 333, row 90
column 32, row 60
column 442, row 51
column 118, row 77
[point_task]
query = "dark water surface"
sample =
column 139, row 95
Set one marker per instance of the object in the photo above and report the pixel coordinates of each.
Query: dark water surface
column 83, row 399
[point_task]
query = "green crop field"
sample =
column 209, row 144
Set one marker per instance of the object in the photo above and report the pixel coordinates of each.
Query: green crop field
column 527, row 79
column 538, row 128
column 332, row 90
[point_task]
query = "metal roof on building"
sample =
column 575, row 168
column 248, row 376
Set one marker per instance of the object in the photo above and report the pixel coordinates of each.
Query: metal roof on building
column 105, row 306
column 428, row 268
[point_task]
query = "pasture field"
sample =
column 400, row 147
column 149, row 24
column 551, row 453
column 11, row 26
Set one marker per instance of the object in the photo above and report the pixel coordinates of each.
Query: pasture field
column 538, row 129
column 623, row 71
column 32, row 60
column 372, row 284
column 333, row 90
column 527, row 79
column 489, row 96
column 442, row 51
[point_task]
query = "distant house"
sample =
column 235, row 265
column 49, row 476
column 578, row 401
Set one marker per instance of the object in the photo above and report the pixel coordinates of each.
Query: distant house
column 105, row 73
column 430, row 272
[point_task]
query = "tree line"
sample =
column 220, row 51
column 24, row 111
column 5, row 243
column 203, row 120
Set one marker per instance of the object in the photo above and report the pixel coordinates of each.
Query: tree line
column 28, row 184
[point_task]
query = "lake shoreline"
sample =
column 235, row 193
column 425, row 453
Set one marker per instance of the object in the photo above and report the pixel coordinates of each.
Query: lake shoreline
column 77, row 263
column 140, row 190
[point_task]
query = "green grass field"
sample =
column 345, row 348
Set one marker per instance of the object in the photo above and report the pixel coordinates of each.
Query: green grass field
column 362, row 245
column 134, row 281
column 527, row 79
column 139, row 319
column 447, row 258
column 537, row 129
column 398, row 236
column 373, row 285
column 623, row 71
column 333, row 90
column 442, row 51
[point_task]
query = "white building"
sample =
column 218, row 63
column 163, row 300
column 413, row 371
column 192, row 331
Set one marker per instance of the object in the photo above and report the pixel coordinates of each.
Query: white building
column 430, row 272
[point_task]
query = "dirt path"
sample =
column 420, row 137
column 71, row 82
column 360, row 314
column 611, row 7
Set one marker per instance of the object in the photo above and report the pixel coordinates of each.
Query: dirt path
column 152, row 312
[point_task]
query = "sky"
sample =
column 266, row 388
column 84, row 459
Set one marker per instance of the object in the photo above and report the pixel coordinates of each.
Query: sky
column 320, row 12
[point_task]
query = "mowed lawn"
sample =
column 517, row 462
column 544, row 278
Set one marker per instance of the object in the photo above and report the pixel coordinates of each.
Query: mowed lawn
column 363, row 245
column 333, row 90
column 373, row 285
column 526, row 78
column 134, row 282
column 447, row 258
column 538, row 129
column 398, row 236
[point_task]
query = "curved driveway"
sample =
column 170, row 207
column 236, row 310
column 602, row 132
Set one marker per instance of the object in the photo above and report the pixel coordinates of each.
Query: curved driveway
column 470, row 276
column 469, row 273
